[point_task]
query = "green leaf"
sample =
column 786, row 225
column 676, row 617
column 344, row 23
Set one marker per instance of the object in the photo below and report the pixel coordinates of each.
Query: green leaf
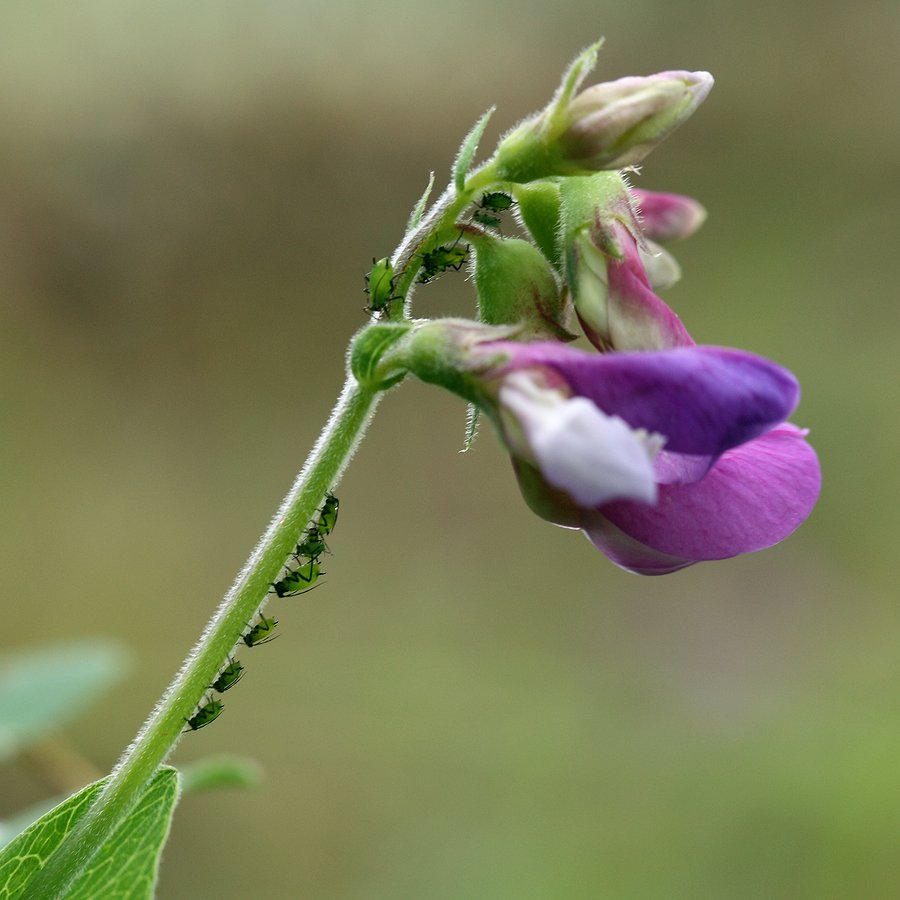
column 205, row 774
column 467, row 151
column 419, row 209
column 125, row 868
column 128, row 863
column 578, row 70
column 25, row 854
column 19, row 821
column 220, row 771
column 44, row 688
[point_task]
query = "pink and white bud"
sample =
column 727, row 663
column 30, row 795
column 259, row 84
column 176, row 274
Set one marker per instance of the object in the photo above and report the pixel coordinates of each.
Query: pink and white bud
column 607, row 126
column 667, row 217
column 614, row 298
column 616, row 124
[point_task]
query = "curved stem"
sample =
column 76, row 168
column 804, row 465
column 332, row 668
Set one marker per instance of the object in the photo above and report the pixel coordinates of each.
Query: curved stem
column 323, row 469
column 444, row 212
column 163, row 729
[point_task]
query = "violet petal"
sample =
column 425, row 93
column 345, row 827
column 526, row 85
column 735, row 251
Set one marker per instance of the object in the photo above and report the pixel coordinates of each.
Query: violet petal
column 753, row 497
column 703, row 400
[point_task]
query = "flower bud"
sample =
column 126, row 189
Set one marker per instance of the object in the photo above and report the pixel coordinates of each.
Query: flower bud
column 607, row 126
column 667, row 217
column 605, row 265
column 616, row 124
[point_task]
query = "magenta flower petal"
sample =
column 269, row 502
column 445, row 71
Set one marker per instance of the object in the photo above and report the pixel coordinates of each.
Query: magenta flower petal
column 680, row 468
column 754, row 497
column 667, row 217
column 614, row 298
column 703, row 400
column 628, row 553
column 638, row 319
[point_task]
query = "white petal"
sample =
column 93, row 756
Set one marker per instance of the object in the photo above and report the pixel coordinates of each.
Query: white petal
column 592, row 290
column 662, row 268
column 594, row 457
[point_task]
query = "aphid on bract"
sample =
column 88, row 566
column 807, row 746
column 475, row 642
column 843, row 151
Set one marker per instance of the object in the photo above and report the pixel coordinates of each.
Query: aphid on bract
column 497, row 201
column 312, row 546
column 380, row 285
column 436, row 261
column 207, row 714
column 229, row 676
column 298, row 581
column 261, row 632
column 328, row 514
column 486, row 219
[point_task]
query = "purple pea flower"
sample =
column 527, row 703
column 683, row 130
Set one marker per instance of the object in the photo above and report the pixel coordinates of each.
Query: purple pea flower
column 663, row 458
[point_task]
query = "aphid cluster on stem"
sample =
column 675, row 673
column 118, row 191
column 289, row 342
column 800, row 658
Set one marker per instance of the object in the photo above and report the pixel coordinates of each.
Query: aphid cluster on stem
column 206, row 714
column 307, row 555
column 486, row 211
column 452, row 256
column 309, row 551
column 446, row 256
column 229, row 676
column 261, row 633
column 212, row 709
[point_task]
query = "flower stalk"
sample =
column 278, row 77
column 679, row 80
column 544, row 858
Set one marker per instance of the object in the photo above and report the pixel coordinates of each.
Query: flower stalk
column 163, row 729
column 323, row 469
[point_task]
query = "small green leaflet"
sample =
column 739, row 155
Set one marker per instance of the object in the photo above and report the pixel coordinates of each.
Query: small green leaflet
column 419, row 209
column 467, row 151
column 125, row 867
column 213, row 772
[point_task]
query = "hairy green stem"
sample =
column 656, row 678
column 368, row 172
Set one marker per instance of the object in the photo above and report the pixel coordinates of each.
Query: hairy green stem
column 323, row 469
column 163, row 729
column 440, row 217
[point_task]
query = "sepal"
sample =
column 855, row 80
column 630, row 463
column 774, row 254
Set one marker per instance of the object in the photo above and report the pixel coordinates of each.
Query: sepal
column 516, row 285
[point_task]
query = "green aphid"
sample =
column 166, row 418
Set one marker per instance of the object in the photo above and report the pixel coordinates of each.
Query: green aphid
column 312, row 546
column 207, row 714
column 436, row 261
column 496, row 201
column 261, row 632
column 299, row 581
column 380, row 286
column 328, row 514
column 486, row 219
column 229, row 676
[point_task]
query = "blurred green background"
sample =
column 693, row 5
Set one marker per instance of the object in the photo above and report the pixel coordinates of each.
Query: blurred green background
column 476, row 705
